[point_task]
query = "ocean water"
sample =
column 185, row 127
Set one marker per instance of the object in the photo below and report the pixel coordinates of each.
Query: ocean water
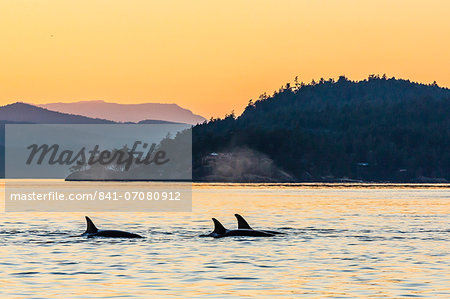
column 341, row 241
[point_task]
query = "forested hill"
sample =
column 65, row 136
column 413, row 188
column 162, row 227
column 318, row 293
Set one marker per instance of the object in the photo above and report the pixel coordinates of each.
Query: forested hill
column 378, row 129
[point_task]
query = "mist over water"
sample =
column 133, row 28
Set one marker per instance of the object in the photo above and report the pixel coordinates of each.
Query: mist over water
column 342, row 241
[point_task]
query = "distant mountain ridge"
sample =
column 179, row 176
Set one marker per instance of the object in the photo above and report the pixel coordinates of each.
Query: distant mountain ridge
column 25, row 113
column 127, row 112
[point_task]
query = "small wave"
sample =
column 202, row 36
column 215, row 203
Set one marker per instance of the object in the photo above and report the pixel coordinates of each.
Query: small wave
column 25, row 273
column 239, row 278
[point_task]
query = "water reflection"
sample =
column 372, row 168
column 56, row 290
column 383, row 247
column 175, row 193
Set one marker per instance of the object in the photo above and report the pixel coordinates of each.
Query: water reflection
column 340, row 242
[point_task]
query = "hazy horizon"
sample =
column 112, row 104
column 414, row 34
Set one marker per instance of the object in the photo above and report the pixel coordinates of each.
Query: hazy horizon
column 46, row 103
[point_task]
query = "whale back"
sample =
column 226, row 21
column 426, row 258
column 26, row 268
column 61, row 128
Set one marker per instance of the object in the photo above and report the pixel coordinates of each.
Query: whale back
column 242, row 224
column 218, row 227
column 91, row 228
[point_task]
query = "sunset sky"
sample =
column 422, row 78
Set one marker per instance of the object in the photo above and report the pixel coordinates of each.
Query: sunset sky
column 211, row 56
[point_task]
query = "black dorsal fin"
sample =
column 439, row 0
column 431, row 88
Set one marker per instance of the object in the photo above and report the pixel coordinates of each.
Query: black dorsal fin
column 218, row 227
column 91, row 229
column 242, row 224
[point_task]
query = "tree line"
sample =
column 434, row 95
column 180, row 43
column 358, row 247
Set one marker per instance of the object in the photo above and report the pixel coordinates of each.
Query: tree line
column 377, row 129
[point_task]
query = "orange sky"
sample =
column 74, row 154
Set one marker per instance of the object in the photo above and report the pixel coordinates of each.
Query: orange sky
column 211, row 56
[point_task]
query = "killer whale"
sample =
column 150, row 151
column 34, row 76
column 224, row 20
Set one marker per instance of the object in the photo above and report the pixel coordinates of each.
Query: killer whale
column 220, row 231
column 243, row 224
column 93, row 231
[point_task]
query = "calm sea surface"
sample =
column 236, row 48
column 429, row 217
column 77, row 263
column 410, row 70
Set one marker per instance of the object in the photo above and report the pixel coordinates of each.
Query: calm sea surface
column 342, row 242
